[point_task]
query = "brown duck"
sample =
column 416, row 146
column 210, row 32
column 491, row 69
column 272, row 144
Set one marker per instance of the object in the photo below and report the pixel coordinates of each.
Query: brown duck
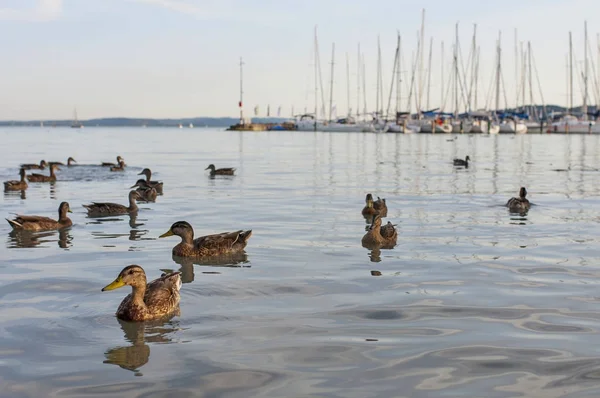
column 39, row 223
column 228, row 171
column 33, row 166
column 110, row 164
column 374, row 207
column 158, row 185
column 70, row 162
column 43, row 178
column 380, row 235
column 113, row 209
column 210, row 245
column 147, row 301
column 147, row 193
column 120, row 167
column 520, row 204
column 16, row 185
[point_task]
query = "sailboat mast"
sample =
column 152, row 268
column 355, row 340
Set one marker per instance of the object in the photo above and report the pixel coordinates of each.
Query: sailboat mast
column 429, row 71
column 331, row 81
column 241, row 91
column 398, row 77
column 473, row 65
column 358, row 74
column 421, row 62
column 364, row 84
column 530, row 80
column 456, row 72
column 523, row 76
column 586, row 71
column 442, row 78
column 570, row 73
column 316, row 80
column 348, row 85
column 498, row 69
column 516, row 73
column 476, row 79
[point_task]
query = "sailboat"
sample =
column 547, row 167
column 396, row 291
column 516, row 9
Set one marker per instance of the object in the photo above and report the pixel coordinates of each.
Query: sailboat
column 76, row 124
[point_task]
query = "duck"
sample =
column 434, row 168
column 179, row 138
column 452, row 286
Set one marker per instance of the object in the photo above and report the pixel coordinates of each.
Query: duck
column 145, row 191
column 113, row 209
column 109, row 164
column 70, row 162
column 147, row 301
column 120, row 167
column 39, row 223
column 210, row 245
column 374, row 207
column 16, row 185
column 43, row 178
column 380, row 235
column 460, row 162
column 519, row 204
column 158, row 185
column 228, row 171
column 33, row 166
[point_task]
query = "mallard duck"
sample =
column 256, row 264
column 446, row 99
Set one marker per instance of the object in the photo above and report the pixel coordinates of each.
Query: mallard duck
column 42, row 178
column 39, row 223
column 33, row 166
column 120, row 167
column 380, row 235
column 16, row 185
column 146, row 192
column 460, row 162
column 70, row 161
column 154, row 300
column 220, row 172
column 210, row 245
column 374, row 207
column 110, row 164
column 113, row 209
column 158, row 185
column 519, row 204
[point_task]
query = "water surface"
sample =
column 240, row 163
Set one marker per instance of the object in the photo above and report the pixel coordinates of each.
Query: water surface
column 473, row 301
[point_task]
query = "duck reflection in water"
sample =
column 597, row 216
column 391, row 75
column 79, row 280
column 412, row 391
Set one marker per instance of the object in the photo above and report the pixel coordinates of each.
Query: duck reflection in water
column 234, row 260
column 136, row 355
column 20, row 194
column 26, row 239
column 135, row 233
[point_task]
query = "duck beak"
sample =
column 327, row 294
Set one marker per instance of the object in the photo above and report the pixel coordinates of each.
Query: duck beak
column 207, row 168
column 115, row 285
column 168, row 233
column 133, row 186
column 140, row 173
column 69, row 211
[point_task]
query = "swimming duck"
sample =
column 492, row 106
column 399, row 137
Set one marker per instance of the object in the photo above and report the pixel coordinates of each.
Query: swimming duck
column 120, row 167
column 113, row 209
column 374, row 207
column 519, row 204
column 158, row 185
column 70, row 161
column 146, row 192
column 33, row 166
column 39, row 223
column 16, row 185
column 109, row 164
column 460, row 162
column 220, row 172
column 380, row 235
column 210, row 245
column 147, row 301
column 43, row 178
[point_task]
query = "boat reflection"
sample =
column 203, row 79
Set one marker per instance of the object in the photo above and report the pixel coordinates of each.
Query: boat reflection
column 28, row 239
column 136, row 355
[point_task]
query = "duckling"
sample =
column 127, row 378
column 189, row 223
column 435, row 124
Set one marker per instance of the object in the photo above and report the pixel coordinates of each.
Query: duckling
column 113, row 209
column 42, row 178
column 210, row 245
column 520, row 204
column 378, row 235
column 460, row 162
column 109, row 164
column 39, row 223
column 120, row 167
column 374, row 207
column 70, row 161
column 220, row 172
column 16, row 185
column 33, row 166
column 158, row 185
column 156, row 299
column 146, row 192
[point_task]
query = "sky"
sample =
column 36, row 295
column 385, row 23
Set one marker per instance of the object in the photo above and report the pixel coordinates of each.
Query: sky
column 180, row 58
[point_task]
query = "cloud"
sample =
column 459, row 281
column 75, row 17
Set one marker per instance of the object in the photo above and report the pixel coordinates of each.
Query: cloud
column 43, row 10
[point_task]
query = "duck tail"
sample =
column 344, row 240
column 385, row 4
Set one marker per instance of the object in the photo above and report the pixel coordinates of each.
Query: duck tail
column 245, row 235
column 14, row 224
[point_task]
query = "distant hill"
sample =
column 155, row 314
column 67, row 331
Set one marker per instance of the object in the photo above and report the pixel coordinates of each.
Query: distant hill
column 138, row 122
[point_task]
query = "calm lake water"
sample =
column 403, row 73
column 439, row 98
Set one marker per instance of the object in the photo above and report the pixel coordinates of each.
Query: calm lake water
column 473, row 301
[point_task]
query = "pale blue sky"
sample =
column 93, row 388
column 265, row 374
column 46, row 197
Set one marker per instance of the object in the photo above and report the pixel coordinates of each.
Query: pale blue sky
column 179, row 58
